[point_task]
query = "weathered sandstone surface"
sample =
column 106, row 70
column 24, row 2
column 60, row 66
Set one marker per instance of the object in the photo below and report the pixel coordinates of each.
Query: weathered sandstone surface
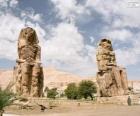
column 111, row 79
column 28, row 72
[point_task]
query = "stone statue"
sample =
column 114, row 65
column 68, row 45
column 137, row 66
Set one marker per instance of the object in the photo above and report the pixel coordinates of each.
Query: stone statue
column 105, row 55
column 28, row 73
column 112, row 79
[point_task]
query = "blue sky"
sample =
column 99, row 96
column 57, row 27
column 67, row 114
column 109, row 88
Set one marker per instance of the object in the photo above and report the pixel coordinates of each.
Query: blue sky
column 69, row 31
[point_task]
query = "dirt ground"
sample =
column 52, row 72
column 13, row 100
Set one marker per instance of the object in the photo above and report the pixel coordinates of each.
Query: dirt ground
column 78, row 109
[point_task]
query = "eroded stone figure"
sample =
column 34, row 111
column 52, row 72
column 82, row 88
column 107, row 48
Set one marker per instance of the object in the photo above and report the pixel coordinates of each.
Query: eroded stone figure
column 112, row 79
column 28, row 72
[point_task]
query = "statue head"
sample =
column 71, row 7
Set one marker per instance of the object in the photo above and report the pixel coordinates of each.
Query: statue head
column 105, row 55
column 27, row 36
column 106, row 44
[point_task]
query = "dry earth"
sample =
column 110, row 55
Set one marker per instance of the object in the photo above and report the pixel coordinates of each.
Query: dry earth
column 85, row 109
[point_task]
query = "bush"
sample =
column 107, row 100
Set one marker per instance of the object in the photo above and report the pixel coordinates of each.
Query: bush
column 5, row 99
column 51, row 93
column 72, row 91
column 87, row 89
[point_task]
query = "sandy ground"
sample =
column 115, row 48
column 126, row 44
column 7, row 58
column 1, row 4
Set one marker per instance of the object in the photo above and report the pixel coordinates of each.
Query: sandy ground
column 73, row 109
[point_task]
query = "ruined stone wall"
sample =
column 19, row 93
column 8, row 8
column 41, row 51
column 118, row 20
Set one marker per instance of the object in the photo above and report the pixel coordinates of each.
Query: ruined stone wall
column 112, row 79
column 28, row 72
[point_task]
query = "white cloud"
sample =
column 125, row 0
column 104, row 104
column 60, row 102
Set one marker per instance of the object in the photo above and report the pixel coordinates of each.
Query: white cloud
column 118, row 16
column 126, row 57
column 92, row 39
column 13, row 3
column 91, row 51
column 108, row 10
column 119, row 34
column 10, row 26
column 64, row 46
column 3, row 3
column 65, row 43
column 29, row 14
column 130, row 55
column 8, row 3
column 117, row 11
column 65, row 49
column 69, row 9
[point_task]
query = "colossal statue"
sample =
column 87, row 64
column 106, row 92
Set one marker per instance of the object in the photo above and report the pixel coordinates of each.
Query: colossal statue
column 28, row 72
column 112, row 79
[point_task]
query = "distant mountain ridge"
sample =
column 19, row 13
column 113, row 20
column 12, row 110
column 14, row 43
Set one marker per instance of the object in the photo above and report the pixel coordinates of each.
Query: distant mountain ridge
column 52, row 78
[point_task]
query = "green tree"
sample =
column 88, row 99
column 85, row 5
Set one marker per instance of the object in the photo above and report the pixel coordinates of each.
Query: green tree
column 6, row 98
column 72, row 91
column 87, row 89
column 51, row 93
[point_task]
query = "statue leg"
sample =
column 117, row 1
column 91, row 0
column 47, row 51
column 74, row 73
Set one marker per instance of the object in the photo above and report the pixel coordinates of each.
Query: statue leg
column 26, row 77
column 17, row 79
column 35, row 81
column 124, row 79
column 18, row 84
column 41, row 79
column 116, row 73
column 118, row 80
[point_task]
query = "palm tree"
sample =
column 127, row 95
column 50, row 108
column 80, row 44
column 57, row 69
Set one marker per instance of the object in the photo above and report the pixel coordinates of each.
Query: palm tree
column 6, row 98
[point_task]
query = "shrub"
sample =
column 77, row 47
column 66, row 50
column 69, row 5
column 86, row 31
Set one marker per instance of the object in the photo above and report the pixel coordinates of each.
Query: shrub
column 87, row 89
column 5, row 99
column 51, row 93
column 72, row 91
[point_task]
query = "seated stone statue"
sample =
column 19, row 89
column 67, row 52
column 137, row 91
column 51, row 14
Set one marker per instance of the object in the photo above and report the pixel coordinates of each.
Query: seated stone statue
column 29, row 76
column 112, row 79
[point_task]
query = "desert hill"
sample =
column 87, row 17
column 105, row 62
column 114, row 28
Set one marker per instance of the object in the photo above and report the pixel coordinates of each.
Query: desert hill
column 5, row 77
column 52, row 78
